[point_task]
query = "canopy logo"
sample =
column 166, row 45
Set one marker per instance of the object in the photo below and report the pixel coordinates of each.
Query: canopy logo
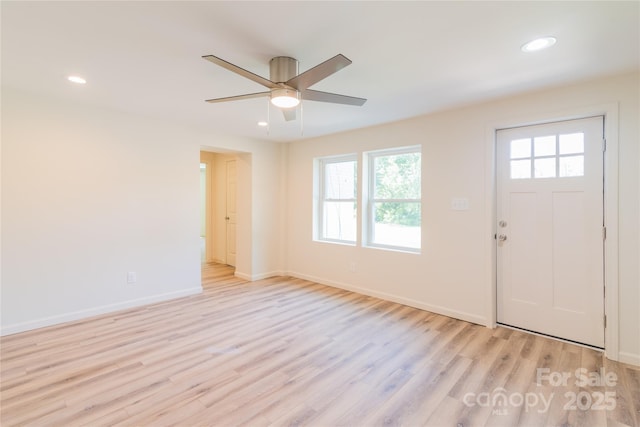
column 583, row 400
column 499, row 400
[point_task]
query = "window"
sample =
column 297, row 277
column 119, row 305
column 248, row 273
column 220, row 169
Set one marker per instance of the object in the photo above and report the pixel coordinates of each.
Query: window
column 394, row 198
column 547, row 156
column 337, row 207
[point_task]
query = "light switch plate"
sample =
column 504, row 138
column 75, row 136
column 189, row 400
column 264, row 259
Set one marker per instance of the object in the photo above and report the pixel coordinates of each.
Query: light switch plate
column 459, row 204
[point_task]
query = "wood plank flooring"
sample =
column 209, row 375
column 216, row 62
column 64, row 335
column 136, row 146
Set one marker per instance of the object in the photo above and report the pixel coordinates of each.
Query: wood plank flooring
column 286, row 351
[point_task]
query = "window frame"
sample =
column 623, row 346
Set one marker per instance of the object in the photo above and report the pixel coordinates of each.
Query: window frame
column 321, row 198
column 371, row 200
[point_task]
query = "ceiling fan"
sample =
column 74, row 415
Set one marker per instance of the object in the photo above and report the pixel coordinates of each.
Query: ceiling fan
column 286, row 87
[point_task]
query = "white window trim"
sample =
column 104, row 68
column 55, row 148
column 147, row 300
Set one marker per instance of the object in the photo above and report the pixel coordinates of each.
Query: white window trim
column 319, row 231
column 368, row 220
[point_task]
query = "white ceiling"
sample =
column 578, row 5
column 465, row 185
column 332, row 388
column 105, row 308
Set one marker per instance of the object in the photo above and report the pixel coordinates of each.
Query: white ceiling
column 409, row 58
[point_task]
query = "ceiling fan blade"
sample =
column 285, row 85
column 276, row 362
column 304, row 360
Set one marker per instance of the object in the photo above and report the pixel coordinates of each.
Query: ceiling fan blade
column 244, row 73
column 314, row 95
column 319, row 72
column 289, row 114
column 238, row 97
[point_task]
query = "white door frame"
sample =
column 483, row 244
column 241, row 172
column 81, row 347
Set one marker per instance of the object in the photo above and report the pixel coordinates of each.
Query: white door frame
column 228, row 219
column 205, row 157
column 610, row 113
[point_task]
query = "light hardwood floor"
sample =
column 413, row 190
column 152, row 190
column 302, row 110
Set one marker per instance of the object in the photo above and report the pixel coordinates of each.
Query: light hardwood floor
column 285, row 351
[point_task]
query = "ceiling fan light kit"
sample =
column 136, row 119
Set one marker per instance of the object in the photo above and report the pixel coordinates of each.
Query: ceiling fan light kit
column 286, row 87
column 285, row 98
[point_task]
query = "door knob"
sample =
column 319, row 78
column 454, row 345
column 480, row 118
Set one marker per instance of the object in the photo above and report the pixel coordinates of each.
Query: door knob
column 502, row 237
column 502, row 223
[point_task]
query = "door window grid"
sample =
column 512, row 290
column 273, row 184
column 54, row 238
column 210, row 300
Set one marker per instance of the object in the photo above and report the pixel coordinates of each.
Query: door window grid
column 547, row 156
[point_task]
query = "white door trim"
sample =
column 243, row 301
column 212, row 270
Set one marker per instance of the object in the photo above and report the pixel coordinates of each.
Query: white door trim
column 206, row 157
column 230, row 212
column 610, row 113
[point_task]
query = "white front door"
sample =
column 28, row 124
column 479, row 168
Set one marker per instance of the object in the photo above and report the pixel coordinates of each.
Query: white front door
column 232, row 185
column 550, row 251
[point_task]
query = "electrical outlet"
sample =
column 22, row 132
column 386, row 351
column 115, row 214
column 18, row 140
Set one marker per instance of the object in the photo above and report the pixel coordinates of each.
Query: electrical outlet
column 352, row 267
column 131, row 277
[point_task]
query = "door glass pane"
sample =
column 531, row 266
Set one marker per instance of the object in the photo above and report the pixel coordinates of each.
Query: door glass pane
column 544, row 146
column 520, row 169
column 520, row 148
column 545, row 168
column 572, row 143
column 571, row 166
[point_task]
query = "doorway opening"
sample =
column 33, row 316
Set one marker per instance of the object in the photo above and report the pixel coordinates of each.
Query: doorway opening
column 218, row 209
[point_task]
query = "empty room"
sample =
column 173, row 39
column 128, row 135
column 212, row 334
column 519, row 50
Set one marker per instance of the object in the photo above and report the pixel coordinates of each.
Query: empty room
column 221, row 213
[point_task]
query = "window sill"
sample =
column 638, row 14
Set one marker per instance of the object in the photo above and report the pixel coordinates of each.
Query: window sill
column 335, row 242
column 400, row 249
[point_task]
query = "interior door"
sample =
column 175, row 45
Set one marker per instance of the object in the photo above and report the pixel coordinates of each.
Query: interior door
column 550, row 231
column 232, row 185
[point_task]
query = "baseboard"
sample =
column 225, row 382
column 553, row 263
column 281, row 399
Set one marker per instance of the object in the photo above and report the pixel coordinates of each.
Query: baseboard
column 461, row 315
column 630, row 358
column 254, row 277
column 243, row 276
column 95, row 311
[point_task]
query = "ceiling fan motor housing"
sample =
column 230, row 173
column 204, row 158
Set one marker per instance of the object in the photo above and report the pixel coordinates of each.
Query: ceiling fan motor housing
column 282, row 69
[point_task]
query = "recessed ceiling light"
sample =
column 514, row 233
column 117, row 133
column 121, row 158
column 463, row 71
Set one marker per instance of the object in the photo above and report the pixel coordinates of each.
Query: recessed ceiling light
column 76, row 79
column 263, row 124
column 538, row 44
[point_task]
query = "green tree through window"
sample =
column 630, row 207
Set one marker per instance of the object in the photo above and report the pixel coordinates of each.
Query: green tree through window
column 398, row 177
column 394, row 207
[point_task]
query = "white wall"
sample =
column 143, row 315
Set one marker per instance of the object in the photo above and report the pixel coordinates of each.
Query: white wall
column 267, row 208
column 89, row 194
column 452, row 275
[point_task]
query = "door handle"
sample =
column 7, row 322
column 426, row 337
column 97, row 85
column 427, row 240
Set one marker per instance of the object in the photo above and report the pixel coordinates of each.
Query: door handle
column 227, row 218
column 502, row 237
